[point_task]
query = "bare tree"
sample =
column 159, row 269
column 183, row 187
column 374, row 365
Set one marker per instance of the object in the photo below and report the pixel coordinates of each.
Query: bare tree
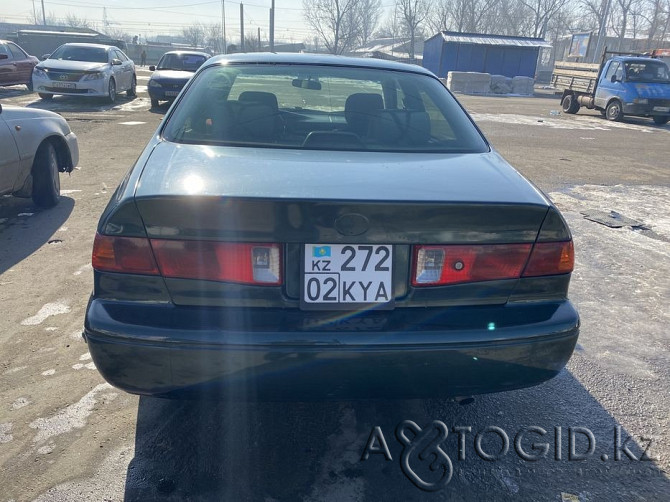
column 653, row 15
column 542, row 12
column 194, row 35
column 118, row 34
column 440, row 17
column 620, row 17
column 334, row 22
column 212, row 37
column 595, row 13
column 388, row 28
column 369, row 13
column 412, row 13
column 75, row 21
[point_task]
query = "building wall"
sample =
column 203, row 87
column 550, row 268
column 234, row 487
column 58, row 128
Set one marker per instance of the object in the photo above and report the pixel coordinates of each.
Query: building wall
column 442, row 57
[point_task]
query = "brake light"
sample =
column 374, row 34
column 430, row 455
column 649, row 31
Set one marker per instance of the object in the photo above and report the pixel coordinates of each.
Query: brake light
column 247, row 263
column 551, row 258
column 130, row 255
column 442, row 265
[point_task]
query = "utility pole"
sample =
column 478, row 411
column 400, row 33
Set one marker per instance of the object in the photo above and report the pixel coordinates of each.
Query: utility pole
column 259, row 39
column 223, row 26
column 602, row 33
column 242, row 27
column 44, row 14
column 272, row 27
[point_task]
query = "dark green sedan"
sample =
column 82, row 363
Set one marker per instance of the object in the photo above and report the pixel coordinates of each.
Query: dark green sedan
column 313, row 227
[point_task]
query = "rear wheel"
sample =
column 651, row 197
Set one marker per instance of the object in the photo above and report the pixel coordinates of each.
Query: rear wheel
column 111, row 91
column 132, row 91
column 46, row 179
column 661, row 120
column 45, row 97
column 570, row 104
column 613, row 111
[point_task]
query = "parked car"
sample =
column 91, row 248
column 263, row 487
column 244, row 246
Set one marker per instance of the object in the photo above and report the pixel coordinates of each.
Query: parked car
column 310, row 226
column 85, row 70
column 174, row 69
column 16, row 66
column 36, row 146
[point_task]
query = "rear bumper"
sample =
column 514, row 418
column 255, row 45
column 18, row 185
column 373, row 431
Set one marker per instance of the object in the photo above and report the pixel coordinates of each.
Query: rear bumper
column 274, row 354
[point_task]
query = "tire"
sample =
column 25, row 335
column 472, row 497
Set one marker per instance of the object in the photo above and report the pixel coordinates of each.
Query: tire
column 29, row 85
column 46, row 179
column 111, row 91
column 154, row 103
column 132, row 92
column 570, row 104
column 45, row 97
column 661, row 120
column 613, row 111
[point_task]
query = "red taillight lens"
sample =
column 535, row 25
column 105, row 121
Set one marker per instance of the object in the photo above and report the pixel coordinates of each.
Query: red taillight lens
column 441, row 265
column 551, row 258
column 130, row 255
column 219, row 261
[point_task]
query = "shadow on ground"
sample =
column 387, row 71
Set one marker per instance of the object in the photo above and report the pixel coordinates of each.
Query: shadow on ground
column 24, row 228
column 207, row 450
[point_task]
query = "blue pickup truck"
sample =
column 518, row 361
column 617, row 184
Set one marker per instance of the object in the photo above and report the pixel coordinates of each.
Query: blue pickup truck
column 622, row 85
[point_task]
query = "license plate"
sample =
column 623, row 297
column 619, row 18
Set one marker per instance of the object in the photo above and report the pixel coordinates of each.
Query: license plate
column 343, row 276
column 171, row 93
column 662, row 109
column 64, row 85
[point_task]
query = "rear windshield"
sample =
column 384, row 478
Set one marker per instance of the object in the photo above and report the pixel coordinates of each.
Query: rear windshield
column 322, row 108
column 74, row 53
column 185, row 62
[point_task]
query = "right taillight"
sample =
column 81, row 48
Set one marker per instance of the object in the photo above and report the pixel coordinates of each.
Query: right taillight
column 550, row 258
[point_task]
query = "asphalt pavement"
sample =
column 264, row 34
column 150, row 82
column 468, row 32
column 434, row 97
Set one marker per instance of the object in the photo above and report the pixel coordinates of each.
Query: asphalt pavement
column 599, row 431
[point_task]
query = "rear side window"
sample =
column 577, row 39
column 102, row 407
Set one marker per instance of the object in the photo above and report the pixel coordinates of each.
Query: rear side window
column 17, row 52
column 321, row 108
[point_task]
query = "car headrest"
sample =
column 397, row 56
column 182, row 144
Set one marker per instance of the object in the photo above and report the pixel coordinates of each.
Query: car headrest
column 261, row 98
column 359, row 108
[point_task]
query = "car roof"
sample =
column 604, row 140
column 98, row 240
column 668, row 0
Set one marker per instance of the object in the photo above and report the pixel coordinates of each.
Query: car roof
column 190, row 53
column 314, row 59
column 635, row 58
column 96, row 46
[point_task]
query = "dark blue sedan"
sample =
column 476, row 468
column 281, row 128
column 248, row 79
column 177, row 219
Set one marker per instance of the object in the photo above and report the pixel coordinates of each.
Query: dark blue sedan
column 310, row 226
column 174, row 69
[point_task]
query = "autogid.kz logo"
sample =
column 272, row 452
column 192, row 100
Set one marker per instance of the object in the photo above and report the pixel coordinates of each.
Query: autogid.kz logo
column 425, row 462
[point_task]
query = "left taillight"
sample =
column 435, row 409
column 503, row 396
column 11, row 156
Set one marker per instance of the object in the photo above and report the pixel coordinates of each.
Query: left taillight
column 244, row 263
column 130, row 255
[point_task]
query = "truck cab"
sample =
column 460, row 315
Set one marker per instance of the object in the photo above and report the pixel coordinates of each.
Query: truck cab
column 634, row 86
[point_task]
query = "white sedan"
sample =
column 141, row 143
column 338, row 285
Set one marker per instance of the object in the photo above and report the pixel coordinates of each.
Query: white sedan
column 85, row 70
column 36, row 146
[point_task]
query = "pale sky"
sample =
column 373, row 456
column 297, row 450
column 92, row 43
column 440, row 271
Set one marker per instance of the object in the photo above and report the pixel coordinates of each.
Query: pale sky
column 151, row 17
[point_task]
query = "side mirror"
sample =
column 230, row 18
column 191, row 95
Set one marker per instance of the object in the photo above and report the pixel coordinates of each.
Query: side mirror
column 4, row 56
column 116, row 62
column 152, row 68
column 45, row 56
